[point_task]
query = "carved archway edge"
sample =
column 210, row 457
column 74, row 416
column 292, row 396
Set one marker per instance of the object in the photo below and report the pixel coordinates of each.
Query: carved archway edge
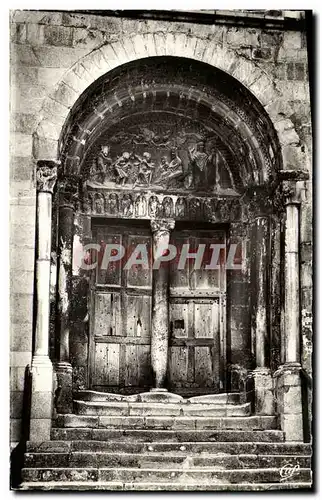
column 56, row 109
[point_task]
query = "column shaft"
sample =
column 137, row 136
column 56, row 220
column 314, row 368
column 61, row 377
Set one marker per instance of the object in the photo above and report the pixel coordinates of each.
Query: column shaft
column 292, row 276
column 65, row 252
column 41, row 366
column 264, row 400
column 67, row 195
column 160, row 303
column 261, row 327
column 288, row 376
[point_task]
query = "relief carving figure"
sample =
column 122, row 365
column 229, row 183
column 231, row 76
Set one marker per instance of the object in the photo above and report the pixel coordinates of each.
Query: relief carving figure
column 180, row 208
column 198, row 165
column 100, row 170
column 92, row 198
column 208, row 209
column 112, row 204
column 170, row 171
column 122, row 165
column 146, row 169
column 127, row 205
column 153, row 207
column 86, row 204
column 140, row 206
column 163, row 167
column 99, row 203
column 167, row 205
column 195, row 208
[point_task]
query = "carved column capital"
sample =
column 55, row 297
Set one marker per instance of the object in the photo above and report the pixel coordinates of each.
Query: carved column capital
column 46, row 176
column 162, row 226
column 293, row 192
column 293, row 185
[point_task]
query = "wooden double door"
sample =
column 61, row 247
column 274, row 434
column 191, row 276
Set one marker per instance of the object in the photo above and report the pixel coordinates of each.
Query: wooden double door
column 121, row 306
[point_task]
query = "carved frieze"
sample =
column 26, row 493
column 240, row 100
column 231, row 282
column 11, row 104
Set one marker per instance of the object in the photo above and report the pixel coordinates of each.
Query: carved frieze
column 153, row 206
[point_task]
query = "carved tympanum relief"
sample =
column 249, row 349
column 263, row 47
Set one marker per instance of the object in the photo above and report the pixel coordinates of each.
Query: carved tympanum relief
column 163, row 156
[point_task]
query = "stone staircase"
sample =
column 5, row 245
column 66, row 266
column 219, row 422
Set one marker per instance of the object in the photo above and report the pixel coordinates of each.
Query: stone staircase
column 160, row 441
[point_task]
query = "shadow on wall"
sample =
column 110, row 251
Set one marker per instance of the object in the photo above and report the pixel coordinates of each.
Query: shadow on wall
column 307, row 394
column 17, row 454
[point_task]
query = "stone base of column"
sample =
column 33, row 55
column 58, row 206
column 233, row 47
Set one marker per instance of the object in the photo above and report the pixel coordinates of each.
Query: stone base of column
column 42, row 394
column 64, row 391
column 264, row 403
column 289, row 401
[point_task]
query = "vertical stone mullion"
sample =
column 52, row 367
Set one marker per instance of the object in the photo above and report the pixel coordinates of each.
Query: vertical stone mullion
column 160, row 304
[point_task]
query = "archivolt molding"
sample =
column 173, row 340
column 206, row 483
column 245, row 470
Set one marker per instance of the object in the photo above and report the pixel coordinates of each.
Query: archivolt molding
column 87, row 70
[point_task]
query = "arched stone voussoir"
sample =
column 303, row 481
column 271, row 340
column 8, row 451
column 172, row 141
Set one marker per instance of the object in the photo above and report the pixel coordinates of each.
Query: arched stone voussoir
column 112, row 55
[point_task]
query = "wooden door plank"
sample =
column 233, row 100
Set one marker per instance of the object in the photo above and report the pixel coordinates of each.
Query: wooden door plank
column 138, row 315
column 132, row 366
column 203, row 366
column 178, row 365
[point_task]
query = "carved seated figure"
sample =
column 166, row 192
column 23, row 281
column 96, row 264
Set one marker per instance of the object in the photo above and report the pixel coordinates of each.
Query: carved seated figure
column 121, row 167
column 146, row 169
column 170, row 171
column 101, row 165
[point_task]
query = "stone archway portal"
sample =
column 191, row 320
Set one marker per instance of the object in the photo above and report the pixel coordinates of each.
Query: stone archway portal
column 160, row 152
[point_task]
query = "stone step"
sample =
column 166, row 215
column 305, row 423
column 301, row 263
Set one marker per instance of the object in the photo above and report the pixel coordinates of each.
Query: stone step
column 151, row 486
column 145, row 435
column 175, row 476
column 166, row 422
column 153, row 460
column 160, row 409
column 230, row 448
column 96, row 396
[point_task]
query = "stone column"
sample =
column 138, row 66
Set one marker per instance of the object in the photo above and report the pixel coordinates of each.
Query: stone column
column 67, row 198
column 264, row 397
column 41, row 366
column 288, row 384
column 160, row 303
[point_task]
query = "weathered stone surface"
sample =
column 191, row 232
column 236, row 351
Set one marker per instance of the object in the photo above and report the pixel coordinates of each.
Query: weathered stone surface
column 25, row 123
column 35, row 16
column 23, row 306
column 20, row 337
column 117, row 486
column 292, row 40
column 58, row 36
column 167, row 435
column 21, row 144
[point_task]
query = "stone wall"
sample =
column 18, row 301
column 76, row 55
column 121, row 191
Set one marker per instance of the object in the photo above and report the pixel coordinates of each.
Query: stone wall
column 45, row 47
